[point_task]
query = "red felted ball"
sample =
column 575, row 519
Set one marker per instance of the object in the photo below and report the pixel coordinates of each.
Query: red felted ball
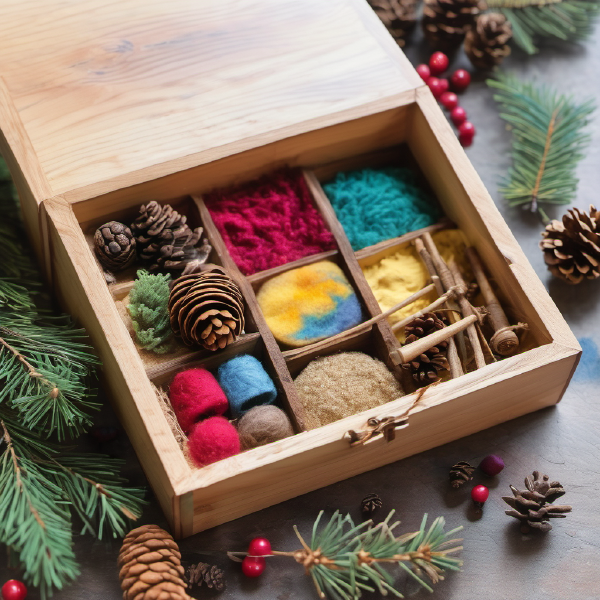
column 195, row 395
column 213, row 440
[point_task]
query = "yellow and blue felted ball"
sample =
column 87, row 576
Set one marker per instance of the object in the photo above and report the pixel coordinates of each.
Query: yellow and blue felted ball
column 308, row 304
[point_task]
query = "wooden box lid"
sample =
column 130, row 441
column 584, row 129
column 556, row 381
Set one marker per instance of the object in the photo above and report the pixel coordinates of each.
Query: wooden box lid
column 101, row 95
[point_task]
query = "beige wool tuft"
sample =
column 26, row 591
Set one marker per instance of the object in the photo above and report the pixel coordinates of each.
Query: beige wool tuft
column 262, row 425
column 337, row 386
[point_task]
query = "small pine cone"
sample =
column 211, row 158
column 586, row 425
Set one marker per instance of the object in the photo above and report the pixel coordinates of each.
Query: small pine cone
column 207, row 309
column 399, row 17
column 425, row 368
column 461, row 473
column 572, row 247
column 150, row 565
column 533, row 506
column 114, row 245
column 166, row 242
column 211, row 575
column 486, row 44
column 370, row 504
column 446, row 22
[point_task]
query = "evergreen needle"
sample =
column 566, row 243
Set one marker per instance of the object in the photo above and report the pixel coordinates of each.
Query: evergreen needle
column 548, row 142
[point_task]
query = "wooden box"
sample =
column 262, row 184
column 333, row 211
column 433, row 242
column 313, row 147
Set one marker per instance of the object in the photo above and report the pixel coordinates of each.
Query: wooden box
column 105, row 107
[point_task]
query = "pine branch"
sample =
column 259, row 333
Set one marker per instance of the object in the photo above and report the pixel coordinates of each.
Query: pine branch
column 345, row 560
column 567, row 20
column 548, row 142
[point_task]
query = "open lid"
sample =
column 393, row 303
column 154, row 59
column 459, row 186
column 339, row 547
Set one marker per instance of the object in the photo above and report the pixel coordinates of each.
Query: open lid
column 92, row 92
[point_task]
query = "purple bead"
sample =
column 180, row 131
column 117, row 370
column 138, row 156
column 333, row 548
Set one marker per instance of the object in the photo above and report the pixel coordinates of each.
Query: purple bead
column 491, row 465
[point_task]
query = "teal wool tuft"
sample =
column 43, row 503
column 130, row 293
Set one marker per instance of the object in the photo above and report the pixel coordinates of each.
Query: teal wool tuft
column 374, row 205
column 147, row 306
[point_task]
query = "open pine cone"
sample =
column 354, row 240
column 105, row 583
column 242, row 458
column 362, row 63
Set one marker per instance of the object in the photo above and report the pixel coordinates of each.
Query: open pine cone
column 166, row 242
column 486, row 44
column 151, row 566
column 207, row 308
column 426, row 367
column 533, row 506
column 446, row 22
column 203, row 573
column 399, row 17
column 572, row 247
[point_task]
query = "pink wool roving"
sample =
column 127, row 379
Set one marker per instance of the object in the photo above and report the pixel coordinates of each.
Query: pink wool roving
column 212, row 440
column 269, row 222
column 195, row 394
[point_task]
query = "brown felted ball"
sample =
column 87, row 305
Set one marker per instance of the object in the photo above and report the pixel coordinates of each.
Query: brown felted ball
column 262, row 425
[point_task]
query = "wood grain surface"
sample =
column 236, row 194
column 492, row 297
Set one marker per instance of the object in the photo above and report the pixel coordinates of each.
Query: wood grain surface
column 500, row 563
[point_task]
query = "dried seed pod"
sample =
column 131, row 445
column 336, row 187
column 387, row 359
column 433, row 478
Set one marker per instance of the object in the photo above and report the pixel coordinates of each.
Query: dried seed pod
column 114, row 245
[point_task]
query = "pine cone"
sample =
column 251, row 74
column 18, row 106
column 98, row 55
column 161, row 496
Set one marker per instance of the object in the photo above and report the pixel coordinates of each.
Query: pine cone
column 572, row 247
column 207, row 308
column 461, row 473
column 166, row 242
column 425, row 368
column 399, row 17
column 114, row 245
column 201, row 573
column 370, row 504
column 533, row 506
column 446, row 22
column 486, row 44
column 151, row 566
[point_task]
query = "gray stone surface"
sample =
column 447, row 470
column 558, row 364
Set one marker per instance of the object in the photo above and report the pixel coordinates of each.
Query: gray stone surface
column 500, row 563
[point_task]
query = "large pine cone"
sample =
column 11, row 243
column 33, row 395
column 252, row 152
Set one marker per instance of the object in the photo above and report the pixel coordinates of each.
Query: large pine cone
column 151, row 566
column 572, row 247
column 446, row 22
column 114, row 245
column 486, row 44
column 165, row 240
column 533, row 506
column 426, row 367
column 207, row 308
column 399, row 17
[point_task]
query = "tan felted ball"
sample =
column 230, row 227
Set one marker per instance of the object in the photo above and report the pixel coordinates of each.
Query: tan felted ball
column 262, row 425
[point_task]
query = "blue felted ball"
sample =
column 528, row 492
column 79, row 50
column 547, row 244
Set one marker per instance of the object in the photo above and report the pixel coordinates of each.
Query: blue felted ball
column 246, row 384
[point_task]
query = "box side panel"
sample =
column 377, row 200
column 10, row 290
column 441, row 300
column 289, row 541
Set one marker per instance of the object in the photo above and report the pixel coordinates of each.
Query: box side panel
column 82, row 291
column 245, row 493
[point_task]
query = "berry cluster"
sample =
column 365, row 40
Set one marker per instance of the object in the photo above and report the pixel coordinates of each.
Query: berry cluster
column 254, row 564
column 445, row 90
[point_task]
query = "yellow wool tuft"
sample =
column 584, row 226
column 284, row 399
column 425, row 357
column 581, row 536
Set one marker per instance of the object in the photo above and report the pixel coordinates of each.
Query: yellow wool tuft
column 402, row 273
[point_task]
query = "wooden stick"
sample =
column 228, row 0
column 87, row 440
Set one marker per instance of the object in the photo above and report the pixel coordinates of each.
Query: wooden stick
column 411, row 351
column 360, row 327
column 456, row 369
column 435, row 304
column 504, row 341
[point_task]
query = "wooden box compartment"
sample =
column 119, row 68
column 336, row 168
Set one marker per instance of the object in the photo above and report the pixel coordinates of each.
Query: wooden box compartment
column 196, row 499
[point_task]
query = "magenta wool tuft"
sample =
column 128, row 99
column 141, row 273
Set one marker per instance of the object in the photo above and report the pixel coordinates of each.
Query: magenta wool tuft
column 491, row 465
column 195, row 394
column 212, row 440
column 269, row 222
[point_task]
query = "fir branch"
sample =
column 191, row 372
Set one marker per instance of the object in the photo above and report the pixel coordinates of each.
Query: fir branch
column 548, row 142
column 147, row 306
column 567, row 20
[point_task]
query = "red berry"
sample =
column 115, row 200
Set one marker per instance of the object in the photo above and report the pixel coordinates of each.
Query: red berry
column 424, row 72
column 259, row 547
column 465, row 140
column 14, row 590
column 480, row 494
column 466, row 128
column 491, row 465
column 435, row 86
column 438, row 63
column 458, row 115
column 449, row 100
column 460, row 80
column 444, row 85
column 253, row 566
